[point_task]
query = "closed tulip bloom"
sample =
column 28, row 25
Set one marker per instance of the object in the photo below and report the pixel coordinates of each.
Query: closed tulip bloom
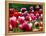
column 11, row 12
column 36, row 23
column 41, row 28
column 21, row 19
column 19, row 13
column 13, row 22
column 21, row 26
column 13, row 18
column 25, row 26
column 41, row 24
column 33, row 17
column 30, row 26
column 23, row 10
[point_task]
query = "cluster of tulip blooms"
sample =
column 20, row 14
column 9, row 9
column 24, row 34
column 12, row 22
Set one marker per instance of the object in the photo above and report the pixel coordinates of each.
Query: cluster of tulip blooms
column 26, row 21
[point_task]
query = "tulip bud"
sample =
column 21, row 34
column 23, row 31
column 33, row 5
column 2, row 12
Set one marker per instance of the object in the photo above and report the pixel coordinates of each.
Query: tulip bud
column 19, row 13
column 13, row 22
column 30, row 26
column 37, row 15
column 33, row 18
column 16, row 14
column 11, row 12
column 31, row 7
column 41, row 28
column 10, row 27
column 23, row 9
column 41, row 24
column 30, row 18
column 36, row 23
column 21, row 19
column 21, row 26
column 13, row 18
column 25, row 26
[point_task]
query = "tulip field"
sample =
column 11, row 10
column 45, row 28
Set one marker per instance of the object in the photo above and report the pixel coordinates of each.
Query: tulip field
column 25, row 17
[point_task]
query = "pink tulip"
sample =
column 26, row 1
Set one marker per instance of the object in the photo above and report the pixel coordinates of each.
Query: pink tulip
column 21, row 26
column 10, row 27
column 37, row 15
column 13, row 22
column 21, row 19
column 25, row 26
column 33, row 17
column 13, row 18
column 23, row 9
column 30, row 26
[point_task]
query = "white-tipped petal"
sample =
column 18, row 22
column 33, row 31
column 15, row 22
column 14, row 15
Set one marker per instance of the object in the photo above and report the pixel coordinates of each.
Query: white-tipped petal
column 13, row 18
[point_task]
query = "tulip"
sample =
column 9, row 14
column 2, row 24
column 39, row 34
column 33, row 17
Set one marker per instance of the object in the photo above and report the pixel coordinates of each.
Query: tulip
column 11, row 12
column 19, row 13
column 31, row 7
column 31, row 14
column 13, row 18
column 41, row 24
column 40, row 28
column 10, row 27
column 28, row 18
column 25, row 13
column 25, row 26
column 30, row 26
column 37, row 7
column 36, row 23
column 16, row 14
column 41, row 17
column 37, row 15
column 23, row 9
column 40, row 11
column 13, row 22
column 21, row 26
column 21, row 19
column 33, row 18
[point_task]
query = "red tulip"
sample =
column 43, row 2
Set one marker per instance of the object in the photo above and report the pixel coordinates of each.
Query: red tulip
column 19, row 13
column 10, row 15
column 40, row 11
column 16, row 14
column 11, row 12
